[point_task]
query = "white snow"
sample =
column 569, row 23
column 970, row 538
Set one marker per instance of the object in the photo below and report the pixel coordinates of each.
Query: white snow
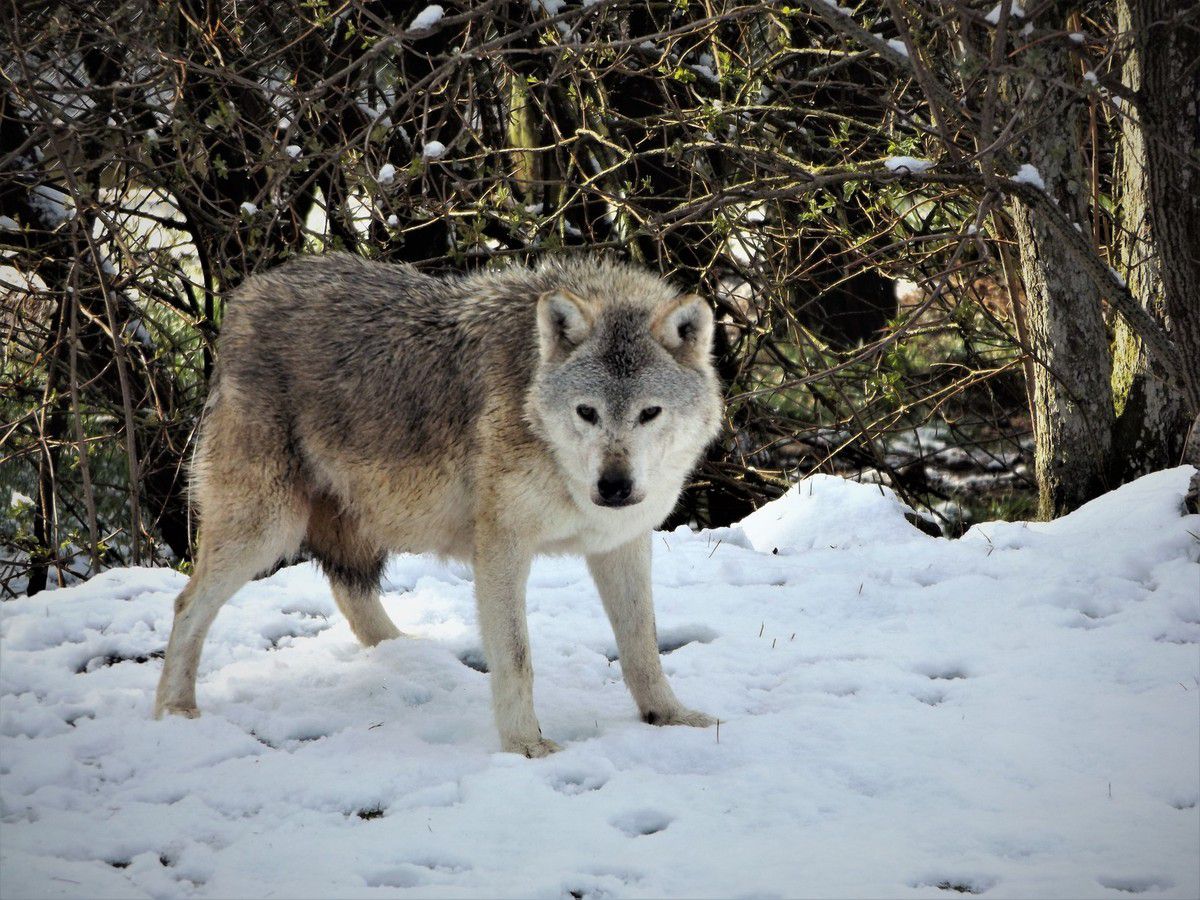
column 293, row 150
column 1090, row 77
column 427, row 18
column 1013, row 713
column 393, row 221
column 433, row 150
column 387, row 174
column 53, row 205
column 377, row 114
column 249, row 208
column 1016, row 12
column 907, row 164
column 7, row 223
column 837, row 7
column 22, row 281
column 894, row 44
column 1077, row 37
column 1029, row 174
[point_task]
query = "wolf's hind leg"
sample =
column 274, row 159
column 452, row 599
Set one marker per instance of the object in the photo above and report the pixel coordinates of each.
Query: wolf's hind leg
column 360, row 605
column 231, row 552
column 354, row 565
column 253, row 511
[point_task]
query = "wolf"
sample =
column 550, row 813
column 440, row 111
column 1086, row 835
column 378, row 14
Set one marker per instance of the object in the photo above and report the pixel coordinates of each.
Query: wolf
column 361, row 408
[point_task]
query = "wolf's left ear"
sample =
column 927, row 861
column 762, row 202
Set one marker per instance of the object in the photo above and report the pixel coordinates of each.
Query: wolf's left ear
column 564, row 322
column 685, row 328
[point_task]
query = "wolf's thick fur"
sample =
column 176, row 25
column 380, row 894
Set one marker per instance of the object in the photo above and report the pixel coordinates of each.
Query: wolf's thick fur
column 363, row 408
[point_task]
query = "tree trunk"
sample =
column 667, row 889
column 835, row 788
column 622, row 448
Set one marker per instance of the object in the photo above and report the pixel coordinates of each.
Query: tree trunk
column 50, row 429
column 1152, row 415
column 1166, row 46
column 1072, row 390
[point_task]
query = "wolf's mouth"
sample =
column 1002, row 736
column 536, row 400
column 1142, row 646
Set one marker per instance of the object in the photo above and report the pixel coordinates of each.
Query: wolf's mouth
column 617, row 504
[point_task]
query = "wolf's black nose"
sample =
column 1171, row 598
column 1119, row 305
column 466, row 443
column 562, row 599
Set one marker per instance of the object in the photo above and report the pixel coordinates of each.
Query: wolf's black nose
column 614, row 488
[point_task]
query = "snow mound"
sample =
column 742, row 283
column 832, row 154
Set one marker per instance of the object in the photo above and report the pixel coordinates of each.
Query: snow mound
column 427, row 18
column 1016, row 11
column 1013, row 714
column 1030, row 175
column 824, row 510
column 907, row 165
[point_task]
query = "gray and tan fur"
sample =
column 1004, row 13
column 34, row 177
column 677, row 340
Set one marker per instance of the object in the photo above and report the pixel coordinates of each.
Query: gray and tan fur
column 363, row 408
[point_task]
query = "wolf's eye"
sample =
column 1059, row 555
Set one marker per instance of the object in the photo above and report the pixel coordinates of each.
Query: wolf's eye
column 587, row 413
column 649, row 413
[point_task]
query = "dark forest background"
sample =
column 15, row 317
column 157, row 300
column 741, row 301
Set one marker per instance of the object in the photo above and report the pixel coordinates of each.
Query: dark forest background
column 953, row 246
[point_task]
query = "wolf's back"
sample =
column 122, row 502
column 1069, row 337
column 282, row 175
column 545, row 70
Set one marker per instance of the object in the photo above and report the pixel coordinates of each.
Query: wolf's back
column 346, row 356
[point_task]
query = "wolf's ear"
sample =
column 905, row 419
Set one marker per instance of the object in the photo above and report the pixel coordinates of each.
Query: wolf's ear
column 564, row 322
column 685, row 328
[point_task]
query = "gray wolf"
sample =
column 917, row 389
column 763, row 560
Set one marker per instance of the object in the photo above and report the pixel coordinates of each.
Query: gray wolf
column 361, row 408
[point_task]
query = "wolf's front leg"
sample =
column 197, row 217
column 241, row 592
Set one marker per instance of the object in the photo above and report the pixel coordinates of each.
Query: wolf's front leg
column 501, row 570
column 623, row 578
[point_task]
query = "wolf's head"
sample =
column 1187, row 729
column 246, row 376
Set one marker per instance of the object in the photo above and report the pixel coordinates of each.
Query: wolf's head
column 625, row 392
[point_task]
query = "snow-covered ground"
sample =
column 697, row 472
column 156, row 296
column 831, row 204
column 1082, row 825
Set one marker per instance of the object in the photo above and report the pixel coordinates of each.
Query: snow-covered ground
column 1014, row 713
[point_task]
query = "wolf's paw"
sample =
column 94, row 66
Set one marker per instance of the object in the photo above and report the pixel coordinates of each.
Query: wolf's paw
column 678, row 716
column 169, row 709
column 531, row 749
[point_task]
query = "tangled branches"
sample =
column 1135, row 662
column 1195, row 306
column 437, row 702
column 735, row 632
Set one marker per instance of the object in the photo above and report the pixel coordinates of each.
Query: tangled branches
column 793, row 163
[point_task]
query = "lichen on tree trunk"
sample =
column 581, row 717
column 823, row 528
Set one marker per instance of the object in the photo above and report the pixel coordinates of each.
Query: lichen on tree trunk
column 1072, row 389
column 1152, row 415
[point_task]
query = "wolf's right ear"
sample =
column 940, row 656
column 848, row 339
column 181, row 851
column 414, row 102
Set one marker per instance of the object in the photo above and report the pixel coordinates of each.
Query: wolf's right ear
column 564, row 322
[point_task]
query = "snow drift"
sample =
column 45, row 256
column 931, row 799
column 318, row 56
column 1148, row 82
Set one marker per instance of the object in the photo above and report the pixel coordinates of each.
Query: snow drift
column 1011, row 714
